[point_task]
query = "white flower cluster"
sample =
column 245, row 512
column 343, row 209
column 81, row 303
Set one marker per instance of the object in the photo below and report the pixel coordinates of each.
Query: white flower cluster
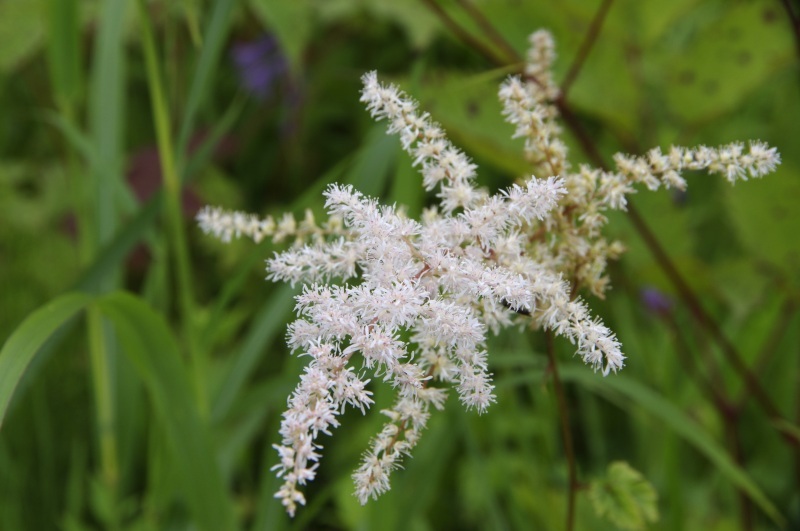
column 569, row 241
column 415, row 300
column 226, row 225
column 440, row 282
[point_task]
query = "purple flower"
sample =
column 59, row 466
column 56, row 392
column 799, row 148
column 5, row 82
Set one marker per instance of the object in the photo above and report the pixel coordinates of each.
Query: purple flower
column 655, row 300
column 260, row 64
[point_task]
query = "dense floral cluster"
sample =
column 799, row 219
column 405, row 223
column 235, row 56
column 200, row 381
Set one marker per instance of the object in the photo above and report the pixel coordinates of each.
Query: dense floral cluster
column 414, row 299
column 570, row 241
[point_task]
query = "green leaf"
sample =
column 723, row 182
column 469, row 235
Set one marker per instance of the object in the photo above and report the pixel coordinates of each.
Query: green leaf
column 627, row 392
column 23, row 345
column 267, row 324
column 469, row 110
column 419, row 23
column 727, row 57
column 152, row 349
column 63, row 47
column 107, row 116
column 766, row 218
column 374, row 161
column 215, row 33
column 621, row 99
column 793, row 430
column 21, row 31
column 624, row 497
column 291, row 24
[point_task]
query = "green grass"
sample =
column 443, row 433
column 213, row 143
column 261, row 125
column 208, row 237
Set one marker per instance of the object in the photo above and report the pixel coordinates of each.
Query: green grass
column 143, row 370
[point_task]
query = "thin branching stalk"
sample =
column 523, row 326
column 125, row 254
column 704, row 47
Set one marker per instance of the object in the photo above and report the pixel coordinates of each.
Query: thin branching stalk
column 691, row 300
column 770, row 347
column 793, row 13
column 713, row 392
column 687, row 295
column 732, row 434
column 728, row 412
column 491, row 33
column 586, row 46
column 463, row 34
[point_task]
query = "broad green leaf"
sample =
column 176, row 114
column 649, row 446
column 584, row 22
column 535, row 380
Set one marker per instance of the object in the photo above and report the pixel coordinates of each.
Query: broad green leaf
column 766, row 218
column 615, row 102
column 732, row 53
column 624, row 497
column 651, row 21
column 471, row 114
column 152, row 349
column 21, row 31
column 23, row 345
column 420, row 25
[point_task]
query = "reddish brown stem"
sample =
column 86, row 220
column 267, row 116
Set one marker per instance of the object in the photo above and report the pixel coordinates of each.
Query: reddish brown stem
column 771, row 344
column 491, row 33
column 563, row 413
column 586, row 46
column 463, row 34
column 794, row 20
column 703, row 318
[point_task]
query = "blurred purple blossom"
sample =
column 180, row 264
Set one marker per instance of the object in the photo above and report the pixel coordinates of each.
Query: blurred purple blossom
column 680, row 197
column 260, row 64
column 655, row 300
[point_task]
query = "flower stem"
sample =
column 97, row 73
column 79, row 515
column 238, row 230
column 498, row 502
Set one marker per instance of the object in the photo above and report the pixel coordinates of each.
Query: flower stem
column 586, row 46
column 569, row 452
column 705, row 320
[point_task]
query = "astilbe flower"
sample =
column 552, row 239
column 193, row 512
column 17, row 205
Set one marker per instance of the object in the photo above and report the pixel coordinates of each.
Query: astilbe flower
column 414, row 299
column 569, row 240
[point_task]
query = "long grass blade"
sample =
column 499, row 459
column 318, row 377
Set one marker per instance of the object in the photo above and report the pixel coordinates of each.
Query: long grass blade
column 214, row 34
column 26, row 341
column 152, row 349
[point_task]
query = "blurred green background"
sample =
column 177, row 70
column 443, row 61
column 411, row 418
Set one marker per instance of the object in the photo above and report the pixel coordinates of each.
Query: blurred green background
column 146, row 391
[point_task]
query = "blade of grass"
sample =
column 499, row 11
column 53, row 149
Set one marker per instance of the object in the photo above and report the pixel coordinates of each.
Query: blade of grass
column 268, row 323
column 246, row 422
column 375, row 159
column 215, row 33
column 106, row 125
column 63, row 37
column 113, row 253
column 173, row 207
column 106, row 116
column 26, row 341
column 205, row 150
column 101, row 355
column 154, row 353
column 190, row 10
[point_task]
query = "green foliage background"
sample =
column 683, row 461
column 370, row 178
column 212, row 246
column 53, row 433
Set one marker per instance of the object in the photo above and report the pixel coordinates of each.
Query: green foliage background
column 144, row 374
